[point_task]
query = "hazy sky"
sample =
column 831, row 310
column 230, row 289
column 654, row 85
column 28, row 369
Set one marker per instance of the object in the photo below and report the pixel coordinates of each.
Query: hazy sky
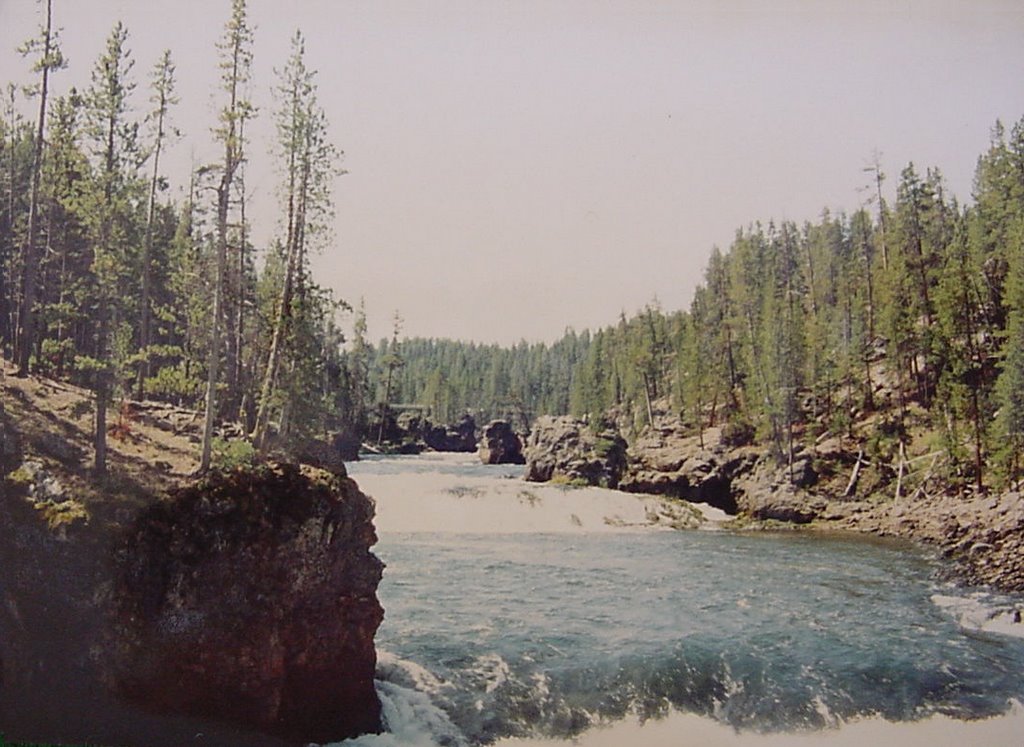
column 516, row 168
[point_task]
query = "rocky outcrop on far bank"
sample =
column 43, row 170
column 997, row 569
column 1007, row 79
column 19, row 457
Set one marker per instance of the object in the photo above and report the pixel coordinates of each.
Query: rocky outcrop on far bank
column 983, row 534
column 669, row 461
column 458, row 437
column 500, row 444
column 568, row 450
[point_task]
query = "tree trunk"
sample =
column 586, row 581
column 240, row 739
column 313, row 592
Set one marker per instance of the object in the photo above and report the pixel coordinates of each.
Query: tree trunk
column 102, row 392
column 238, row 376
column 274, row 359
column 277, row 341
column 145, row 370
column 31, row 258
column 213, row 359
column 269, row 385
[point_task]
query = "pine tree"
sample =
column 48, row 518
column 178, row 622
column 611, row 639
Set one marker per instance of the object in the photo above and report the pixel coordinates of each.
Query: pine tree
column 391, row 362
column 107, row 208
column 18, row 148
column 50, row 58
column 309, row 165
column 358, row 367
column 162, row 99
column 964, row 388
column 66, row 266
column 235, row 65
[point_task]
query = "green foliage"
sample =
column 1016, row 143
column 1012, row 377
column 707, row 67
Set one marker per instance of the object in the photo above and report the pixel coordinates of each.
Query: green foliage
column 603, row 446
column 565, row 482
column 173, row 383
column 54, row 353
column 228, row 455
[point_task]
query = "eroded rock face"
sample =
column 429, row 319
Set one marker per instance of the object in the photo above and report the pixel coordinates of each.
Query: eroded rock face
column 500, row 444
column 252, row 598
column 567, row 449
column 670, row 461
column 460, row 436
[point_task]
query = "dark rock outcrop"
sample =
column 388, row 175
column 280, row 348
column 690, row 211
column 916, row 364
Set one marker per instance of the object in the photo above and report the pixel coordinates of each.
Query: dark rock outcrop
column 560, row 448
column 346, row 445
column 326, row 455
column 668, row 461
column 710, row 469
column 460, row 437
column 768, row 490
column 242, row 608
column 411, row 433
column 252, row 598
column 500, row 444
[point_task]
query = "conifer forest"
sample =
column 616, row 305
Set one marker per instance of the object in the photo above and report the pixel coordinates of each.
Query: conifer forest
column 912, row 305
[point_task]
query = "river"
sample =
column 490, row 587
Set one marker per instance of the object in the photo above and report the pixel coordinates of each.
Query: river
column 524, row 614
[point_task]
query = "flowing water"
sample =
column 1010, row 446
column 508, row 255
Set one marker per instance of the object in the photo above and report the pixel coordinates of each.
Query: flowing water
column 532, row 614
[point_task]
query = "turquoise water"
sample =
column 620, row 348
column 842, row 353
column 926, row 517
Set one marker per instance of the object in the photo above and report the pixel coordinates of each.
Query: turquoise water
column 517, row 632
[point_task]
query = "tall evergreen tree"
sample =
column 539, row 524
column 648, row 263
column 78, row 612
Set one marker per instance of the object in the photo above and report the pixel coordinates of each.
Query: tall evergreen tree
column 235, row 66
column 309, row 165
column 49, row 58
column 162, row 98
column 17, row 148
column 65, row 270
column 107, row 208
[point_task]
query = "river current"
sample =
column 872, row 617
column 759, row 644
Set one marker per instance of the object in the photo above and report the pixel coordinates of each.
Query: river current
column 524, row 614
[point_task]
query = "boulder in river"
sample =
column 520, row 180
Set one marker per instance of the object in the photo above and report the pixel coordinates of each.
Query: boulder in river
column 500, row 444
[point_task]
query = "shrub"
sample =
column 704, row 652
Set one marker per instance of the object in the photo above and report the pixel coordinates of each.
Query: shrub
column 230, row 455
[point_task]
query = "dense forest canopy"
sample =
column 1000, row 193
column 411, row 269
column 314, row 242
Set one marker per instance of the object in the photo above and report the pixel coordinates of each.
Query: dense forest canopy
column 913, row 305
column 913, row 308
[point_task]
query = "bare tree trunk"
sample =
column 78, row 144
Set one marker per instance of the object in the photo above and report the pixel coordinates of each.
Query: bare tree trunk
column 233, row 147
column 31, row 258
column 283, row 312
column 145, row 370
column 274, row 356
column 239, row 327
column 213, row 358
column 102, row 393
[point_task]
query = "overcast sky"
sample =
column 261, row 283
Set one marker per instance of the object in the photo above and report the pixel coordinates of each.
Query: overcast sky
column 516, row 168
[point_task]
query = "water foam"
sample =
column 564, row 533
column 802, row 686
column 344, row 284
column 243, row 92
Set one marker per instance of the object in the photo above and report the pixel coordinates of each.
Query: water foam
column 983, row 612
column 411, row 719
column 440, row 502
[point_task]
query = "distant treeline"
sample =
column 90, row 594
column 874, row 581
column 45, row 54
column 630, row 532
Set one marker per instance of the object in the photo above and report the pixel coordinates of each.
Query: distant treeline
column 914, row 308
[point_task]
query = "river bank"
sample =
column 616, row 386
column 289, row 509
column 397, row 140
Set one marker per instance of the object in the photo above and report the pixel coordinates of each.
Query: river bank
column 831, row 486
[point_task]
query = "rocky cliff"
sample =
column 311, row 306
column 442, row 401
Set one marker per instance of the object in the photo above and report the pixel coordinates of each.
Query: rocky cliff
column 982, row 534
column 149, row 608
column 567, row 450
column 824, row 486
column 251, row 597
